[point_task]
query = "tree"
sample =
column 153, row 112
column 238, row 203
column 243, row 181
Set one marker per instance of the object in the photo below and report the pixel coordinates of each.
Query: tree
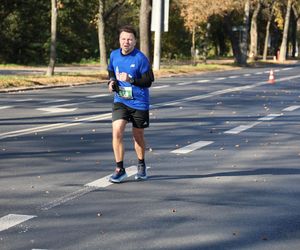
column 144, row 26
column 253, row 32
column 283, row 47
column 54, row 6
column 244, row 44
column 269, row 14
column 101, row 36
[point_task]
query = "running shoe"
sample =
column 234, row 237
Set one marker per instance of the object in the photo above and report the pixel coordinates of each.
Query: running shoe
column 142, row 172
column 118, row 176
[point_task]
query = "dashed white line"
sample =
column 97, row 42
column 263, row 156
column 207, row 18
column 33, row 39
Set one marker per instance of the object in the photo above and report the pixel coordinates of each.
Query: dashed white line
column 55, row 101
column 104, row 182
column 11, row 220
column 6, row 107
column 191, row 147
column 269, row 117
column 57, row 110
column 201, row 81
column 220, row 78
column 161, row 87
column 241, row 128
column 96, row 96
column 291, row 108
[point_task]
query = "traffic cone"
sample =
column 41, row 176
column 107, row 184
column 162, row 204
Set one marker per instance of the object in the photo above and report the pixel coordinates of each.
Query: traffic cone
column 271, row 77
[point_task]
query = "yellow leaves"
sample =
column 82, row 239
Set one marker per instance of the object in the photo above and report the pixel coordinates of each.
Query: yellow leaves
column 196, row 12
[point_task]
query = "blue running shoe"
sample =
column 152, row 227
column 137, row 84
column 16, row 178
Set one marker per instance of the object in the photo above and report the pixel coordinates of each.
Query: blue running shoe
column 118, row 176
column 142, row 172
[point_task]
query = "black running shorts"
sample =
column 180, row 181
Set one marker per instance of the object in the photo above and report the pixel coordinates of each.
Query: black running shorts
column 139, row 118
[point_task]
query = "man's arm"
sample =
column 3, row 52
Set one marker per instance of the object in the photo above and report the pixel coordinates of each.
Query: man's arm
column 145, row 81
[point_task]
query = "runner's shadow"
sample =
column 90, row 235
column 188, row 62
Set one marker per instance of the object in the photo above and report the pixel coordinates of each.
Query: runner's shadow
column 259, row 171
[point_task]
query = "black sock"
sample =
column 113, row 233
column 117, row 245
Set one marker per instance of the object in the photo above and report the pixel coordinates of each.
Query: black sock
column 120, row 164
column 142, row 162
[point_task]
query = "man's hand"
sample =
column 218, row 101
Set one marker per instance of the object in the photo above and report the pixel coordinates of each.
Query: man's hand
column 113, row 86
column 124, row 77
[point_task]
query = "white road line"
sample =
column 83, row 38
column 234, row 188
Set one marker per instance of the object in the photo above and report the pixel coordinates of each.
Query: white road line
column 247, row 74
column 220, row 78
column 24, row 100
column 287, row 69
column 89, row 187
column 96, row 96
column 185, row 83
column 291, row 108
column 258, row 73
column 55, row 101
column 201, row 81
column 191, row 147
column 233, row 77
column 241, row 128
column 104, row 182
column 57, row 110
column 77, row 122
column 6, row 107
column 269, row 117
column 11, row 220
column 161, row 87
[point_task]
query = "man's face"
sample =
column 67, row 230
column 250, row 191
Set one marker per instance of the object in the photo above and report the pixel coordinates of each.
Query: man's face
column 127, row 42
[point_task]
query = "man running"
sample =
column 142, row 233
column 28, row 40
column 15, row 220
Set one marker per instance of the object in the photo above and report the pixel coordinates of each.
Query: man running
column 130, row 77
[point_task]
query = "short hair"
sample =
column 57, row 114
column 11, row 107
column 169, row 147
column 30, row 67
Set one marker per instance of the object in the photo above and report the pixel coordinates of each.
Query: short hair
column 128, row 29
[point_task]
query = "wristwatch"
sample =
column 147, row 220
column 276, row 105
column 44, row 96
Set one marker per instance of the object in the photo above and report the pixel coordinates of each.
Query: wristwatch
column 131, row 80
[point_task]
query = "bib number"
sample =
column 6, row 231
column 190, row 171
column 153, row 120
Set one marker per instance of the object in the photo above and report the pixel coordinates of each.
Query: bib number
column 125, row 92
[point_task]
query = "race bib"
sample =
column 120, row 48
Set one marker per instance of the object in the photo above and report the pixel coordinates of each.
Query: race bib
column 125, row 92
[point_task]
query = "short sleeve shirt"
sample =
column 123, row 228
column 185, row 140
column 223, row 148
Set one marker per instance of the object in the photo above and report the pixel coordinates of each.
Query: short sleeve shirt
column 134, row 64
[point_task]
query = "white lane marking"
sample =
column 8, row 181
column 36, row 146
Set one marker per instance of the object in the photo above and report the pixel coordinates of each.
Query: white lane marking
column 6, row 107
column 55, row 126
column 57, row 109
column 219, row 92
column 276, row 70
column 233, row 77
column 55, row 101
column 241, row 128
column 258, row 73
column 220, row 78
column 108, row 115
column 269, row 117
column 11, row 220
column 104, row 181
column 247, row 74
column 96, row 96
column 201, row 81
column 89, row 187
column 185, row 83
column 191, row 147
column 291, row 108
column 24, row 100
column 161, row 87
column 287, row 69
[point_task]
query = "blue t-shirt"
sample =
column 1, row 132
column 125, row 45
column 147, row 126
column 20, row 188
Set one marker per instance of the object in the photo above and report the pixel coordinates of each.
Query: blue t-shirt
column 134, row 64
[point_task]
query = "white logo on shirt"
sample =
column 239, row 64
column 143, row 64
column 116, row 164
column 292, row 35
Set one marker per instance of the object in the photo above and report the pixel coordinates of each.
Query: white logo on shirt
column 132, row 65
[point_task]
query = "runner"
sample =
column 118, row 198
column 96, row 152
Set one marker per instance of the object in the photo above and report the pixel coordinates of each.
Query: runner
column 130, row 77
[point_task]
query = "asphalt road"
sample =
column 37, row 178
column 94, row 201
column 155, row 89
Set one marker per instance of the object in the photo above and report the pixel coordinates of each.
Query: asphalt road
column 223, row 155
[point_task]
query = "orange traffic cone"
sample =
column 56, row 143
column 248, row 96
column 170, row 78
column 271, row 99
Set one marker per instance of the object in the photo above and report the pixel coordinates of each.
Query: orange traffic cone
column 271, row 77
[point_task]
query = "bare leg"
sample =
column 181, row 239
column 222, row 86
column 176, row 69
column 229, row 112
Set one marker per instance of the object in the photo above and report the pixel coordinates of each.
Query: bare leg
column 118, row 128
column 139, row 142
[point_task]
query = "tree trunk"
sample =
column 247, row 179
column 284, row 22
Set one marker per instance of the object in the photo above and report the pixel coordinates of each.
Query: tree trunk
column 145, row 27
column 50, row 70
column 244, row 44
column 193, row 49
column 253, row 33
column 297, row 17
column 267, row 36
column 283, row 47
column 101, row 36
column 234, row 39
